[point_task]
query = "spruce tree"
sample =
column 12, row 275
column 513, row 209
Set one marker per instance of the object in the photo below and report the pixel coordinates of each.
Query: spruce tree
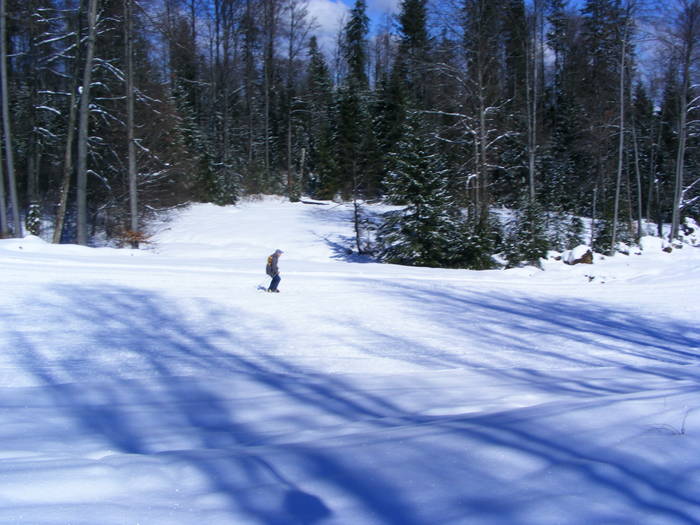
column 206, row 182
column 33, row 221
column 355, row 45
column 574, row 234
column 516, row 36
column 527, row 240
column 318, row 117
column 479, row 241
column 356, row 160
column 389, row 113
column 413, row 51
column 426, row 232
column 353, row 144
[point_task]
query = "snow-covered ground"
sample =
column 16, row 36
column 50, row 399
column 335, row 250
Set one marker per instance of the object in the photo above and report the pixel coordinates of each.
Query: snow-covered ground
column 161, row 387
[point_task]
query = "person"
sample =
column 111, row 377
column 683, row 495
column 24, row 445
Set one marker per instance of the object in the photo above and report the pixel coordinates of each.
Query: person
column 273, row 271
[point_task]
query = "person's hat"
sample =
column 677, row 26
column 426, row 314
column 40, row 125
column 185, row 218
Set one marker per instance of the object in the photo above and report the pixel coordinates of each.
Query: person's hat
column 278, row 251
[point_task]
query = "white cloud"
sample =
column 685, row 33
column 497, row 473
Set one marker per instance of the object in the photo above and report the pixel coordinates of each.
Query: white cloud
column 384, row 6
column 330, row 15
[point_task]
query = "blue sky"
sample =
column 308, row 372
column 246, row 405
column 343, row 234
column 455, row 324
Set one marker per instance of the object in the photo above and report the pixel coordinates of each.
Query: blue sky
column 331, row 14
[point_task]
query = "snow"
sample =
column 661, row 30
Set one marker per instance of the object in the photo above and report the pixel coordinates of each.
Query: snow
column 571, row 256
column 159, row 386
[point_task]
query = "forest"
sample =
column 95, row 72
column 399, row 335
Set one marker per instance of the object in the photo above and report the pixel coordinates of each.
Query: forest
column 512, row 127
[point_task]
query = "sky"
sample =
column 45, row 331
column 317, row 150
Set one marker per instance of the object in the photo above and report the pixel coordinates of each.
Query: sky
column 331, row 14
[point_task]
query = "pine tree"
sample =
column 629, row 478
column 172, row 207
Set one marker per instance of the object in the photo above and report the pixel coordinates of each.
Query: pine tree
column 353, row 142
column 318, row 117
column 410, row 68
column 34, row 219
column 427, row 231
column 557, row 36
column 389, row 114
column 598, row 88
column 479, row 241
column 355, row 45
column 574, row 234
column 356, row 167
column 564, row 164
column 527, row 240
column 202, row 173
column 515, row 46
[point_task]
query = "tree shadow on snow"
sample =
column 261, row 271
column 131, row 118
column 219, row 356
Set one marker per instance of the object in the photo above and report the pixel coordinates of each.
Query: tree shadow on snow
column 145, row 378
column 343, row 247
column 552, row 328
column 139, row 376
column 343, row 251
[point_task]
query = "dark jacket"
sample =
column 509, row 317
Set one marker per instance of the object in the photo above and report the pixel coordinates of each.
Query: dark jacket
column 272, row 269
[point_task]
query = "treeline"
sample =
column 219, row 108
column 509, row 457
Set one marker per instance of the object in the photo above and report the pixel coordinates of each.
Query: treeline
column 454, row 108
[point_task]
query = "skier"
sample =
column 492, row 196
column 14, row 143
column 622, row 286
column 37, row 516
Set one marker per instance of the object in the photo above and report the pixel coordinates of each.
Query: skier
column 273, row 270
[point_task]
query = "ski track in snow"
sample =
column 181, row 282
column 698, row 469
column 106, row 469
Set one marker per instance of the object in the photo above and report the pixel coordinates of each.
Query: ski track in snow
column 159, row 386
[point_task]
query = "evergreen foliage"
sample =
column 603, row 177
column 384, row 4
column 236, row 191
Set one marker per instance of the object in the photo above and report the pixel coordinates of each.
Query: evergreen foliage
column 526, row 242
column 574, row 233
column 33, row 221
column 203, row 179
column 318, row 121
column 564, row 231
column 508, row 102
column 355, row 45
column 413, row 54
column 426, row 232
column 479, row 241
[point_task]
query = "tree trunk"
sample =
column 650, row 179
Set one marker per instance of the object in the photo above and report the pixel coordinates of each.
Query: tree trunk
column 133, row 193
column 652, row 172
column 690, row 27
column 4, row 229
column 291, row 190
column 249, row 83
column 70, row 136
column 84, row 123
column 593, row 215
column 680, row 158
column 300, row 179
column 268, row 67
column 532, row 92
column 621, row 142
column 680, row 163
column 7, row 129
column 483, row 181
column 357, row 212
column 638, row 174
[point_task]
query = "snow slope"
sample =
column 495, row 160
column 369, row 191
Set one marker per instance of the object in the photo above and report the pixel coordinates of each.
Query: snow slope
column 159, row 386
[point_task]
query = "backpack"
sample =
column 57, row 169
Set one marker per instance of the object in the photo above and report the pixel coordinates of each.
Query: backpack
column 268, row 268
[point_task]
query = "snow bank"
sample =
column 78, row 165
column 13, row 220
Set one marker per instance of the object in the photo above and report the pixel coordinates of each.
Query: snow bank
column 580, row 254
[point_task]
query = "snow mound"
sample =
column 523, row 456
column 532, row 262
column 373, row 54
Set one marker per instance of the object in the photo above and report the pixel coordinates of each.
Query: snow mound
column 580, row 254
